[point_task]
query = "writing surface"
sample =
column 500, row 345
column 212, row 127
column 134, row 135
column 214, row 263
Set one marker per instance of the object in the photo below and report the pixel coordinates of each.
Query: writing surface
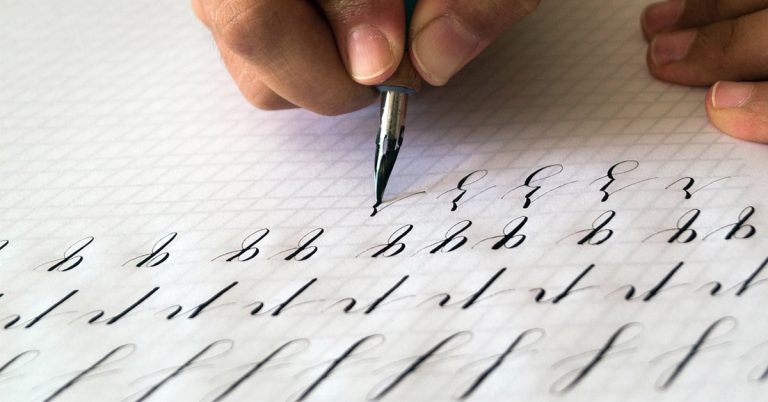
column 560, row 225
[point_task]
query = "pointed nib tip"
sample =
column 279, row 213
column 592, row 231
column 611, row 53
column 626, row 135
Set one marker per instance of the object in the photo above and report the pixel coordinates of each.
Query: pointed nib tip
column 386, row 156
column 389, row 138
column 381, row 184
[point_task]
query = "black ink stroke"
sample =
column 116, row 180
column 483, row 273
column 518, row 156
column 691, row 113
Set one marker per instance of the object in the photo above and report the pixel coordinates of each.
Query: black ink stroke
column 72, row 257
column 658, row 288
column 336, row 362
column 683, row 232
column 258, row 366
column 500, row 360
column 597, row 234
column 533, row 180
column 376, row 303
column 388, row 204
column 667, row 379
column 511, row 237
column 69, row 384
column 690, row 182
column 750, row 281
column 741, row 229
column 453, row 239
column 570, row 289
column 157, row 256
column 229, row 344
column 18, row 361
column 248, row 250
column 305, row 248
column 463, row 187
column 479, row 293
column 394, row 245
column 413, row 367
column 42, row 315
column 573, row 378
column 614, row 171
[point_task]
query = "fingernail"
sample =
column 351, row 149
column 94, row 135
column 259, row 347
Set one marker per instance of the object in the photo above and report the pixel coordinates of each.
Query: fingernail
column 662, row 16
column 369, row 53
column 729, row 95
column 443, row 47
column 671, row 47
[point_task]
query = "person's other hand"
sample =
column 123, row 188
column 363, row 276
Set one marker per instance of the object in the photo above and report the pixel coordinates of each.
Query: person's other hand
column 717, row 43
column 323, row 55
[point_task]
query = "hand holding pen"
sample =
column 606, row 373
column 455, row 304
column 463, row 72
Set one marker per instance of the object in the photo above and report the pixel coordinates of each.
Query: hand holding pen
column 327, row 56
column 332, row 56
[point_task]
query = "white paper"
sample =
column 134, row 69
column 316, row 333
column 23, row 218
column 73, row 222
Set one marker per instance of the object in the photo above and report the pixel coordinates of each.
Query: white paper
column 121, row 133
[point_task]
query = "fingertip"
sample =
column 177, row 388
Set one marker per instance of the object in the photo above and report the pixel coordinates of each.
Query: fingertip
column 739, row 124
column 656, row 71
column 646, row 34
column 447, row 35
column 660, row 17
column 371, row 56
column 442, row 47
column 739, row 110
column 672, row 47
column 668, row 59
column 370, row 36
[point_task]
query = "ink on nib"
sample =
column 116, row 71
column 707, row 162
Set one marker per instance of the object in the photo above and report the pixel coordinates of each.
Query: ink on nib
column 388, row 140
column 386, row 156
column 385, row 163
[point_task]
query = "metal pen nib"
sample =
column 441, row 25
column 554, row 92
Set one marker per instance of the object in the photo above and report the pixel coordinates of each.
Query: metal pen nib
column 394, row 105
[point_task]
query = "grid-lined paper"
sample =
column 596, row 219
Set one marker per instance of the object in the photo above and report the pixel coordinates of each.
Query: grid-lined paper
column 121, row 133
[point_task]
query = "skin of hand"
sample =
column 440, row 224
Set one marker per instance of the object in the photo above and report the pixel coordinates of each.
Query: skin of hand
column 325, row 55
column 718, row 43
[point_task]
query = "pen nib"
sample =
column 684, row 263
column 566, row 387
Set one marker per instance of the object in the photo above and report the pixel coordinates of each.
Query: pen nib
column 389, row 139
column 386, row 156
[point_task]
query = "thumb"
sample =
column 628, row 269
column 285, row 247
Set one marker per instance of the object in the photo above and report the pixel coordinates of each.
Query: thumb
column 740, row 109
column 370, row 35
column 448, row 34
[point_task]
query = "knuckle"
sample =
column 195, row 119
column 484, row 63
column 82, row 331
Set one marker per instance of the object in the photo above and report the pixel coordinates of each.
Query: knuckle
column 717, row 41
column 489, row 19
column 242, row 25
column 347, row 10
column 718, row 10
column 730, row 37
column 529, row 5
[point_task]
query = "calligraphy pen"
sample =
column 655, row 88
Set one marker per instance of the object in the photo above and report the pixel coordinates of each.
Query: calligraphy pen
column 394, row 104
